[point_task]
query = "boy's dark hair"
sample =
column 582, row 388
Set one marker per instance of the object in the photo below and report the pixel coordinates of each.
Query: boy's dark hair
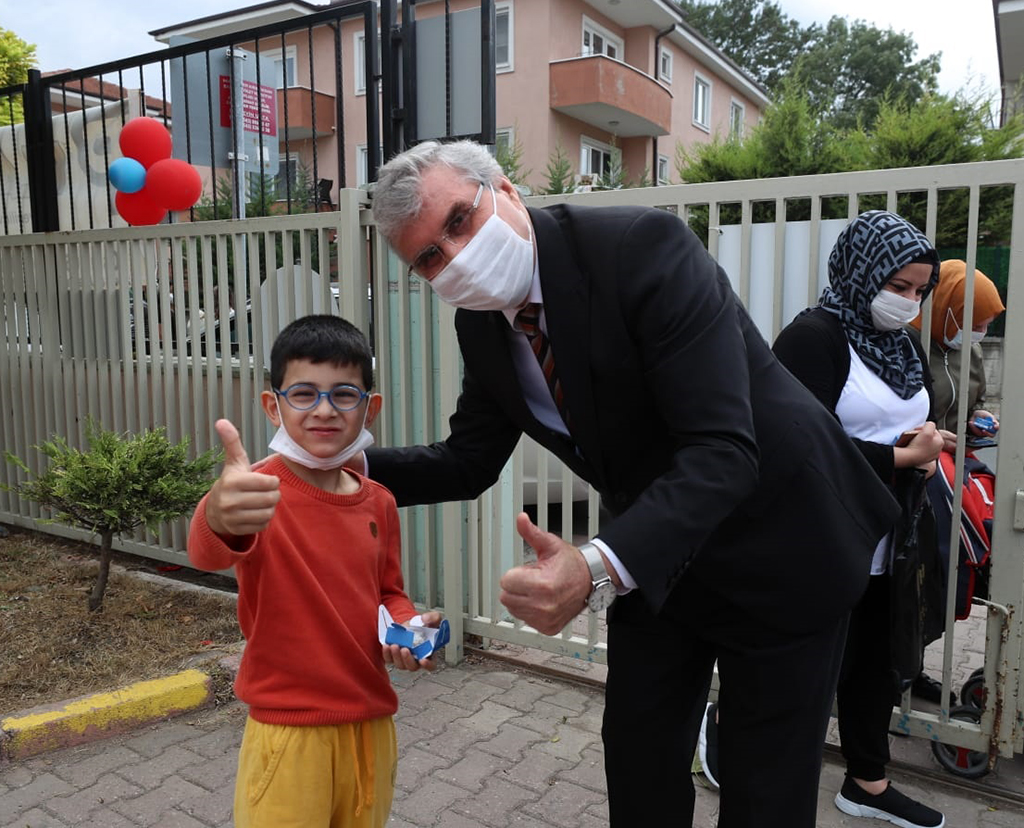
column 321, row 338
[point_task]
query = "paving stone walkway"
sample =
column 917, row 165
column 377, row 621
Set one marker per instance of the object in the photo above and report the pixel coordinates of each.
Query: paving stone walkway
column 482, row 745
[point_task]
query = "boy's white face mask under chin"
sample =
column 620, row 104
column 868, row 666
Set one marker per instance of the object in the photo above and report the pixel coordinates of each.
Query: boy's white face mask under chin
column 284, row 445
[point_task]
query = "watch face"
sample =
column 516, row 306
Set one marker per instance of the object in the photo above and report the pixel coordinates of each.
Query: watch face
column 601, row 596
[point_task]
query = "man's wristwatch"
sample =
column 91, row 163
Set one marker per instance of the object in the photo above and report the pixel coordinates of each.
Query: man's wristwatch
column 602, row 589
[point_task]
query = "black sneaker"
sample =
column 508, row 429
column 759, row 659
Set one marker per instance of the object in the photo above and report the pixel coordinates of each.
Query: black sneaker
column 707, row 744
column 930, row 689
column 889, row 805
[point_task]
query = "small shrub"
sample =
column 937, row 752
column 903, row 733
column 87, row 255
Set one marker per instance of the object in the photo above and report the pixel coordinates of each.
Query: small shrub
column 119, row 483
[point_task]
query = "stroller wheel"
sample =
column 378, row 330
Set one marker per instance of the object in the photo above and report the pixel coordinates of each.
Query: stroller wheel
column 972, row 694
column 970, row 764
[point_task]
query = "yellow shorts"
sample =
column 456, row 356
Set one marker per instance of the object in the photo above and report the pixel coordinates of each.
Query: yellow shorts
column 342, row 776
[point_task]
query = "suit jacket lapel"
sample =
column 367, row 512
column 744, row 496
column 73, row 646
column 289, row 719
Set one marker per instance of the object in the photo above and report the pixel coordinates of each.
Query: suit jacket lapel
column 567, row 310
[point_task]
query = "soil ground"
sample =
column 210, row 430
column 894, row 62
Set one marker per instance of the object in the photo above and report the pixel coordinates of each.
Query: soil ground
column 53, row 648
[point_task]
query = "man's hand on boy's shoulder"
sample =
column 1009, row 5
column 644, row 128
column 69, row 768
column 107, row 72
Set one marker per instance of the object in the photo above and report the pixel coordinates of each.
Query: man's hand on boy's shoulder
column 242, row 501
column 402, row 658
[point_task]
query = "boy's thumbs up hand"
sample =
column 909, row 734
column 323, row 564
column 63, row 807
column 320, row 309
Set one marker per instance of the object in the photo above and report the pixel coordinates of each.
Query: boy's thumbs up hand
column 234, row 452
column 242, row 501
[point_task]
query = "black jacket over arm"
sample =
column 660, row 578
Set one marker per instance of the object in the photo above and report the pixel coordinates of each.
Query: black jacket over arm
column 701, row 444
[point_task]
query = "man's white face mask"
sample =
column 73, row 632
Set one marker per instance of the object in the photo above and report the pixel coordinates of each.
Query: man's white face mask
column 890, row 310
column 492, row 272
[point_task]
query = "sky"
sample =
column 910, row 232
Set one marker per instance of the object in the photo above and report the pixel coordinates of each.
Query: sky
column 72, row 34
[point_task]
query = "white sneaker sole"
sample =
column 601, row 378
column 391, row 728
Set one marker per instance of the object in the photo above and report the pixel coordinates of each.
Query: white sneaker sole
column 702, row 749
column 856, row 809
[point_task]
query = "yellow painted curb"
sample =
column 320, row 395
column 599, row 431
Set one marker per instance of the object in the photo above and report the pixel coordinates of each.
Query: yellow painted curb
column 103, row 714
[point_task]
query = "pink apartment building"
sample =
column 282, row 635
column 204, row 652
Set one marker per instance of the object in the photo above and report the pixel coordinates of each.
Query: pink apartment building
column 609, row 81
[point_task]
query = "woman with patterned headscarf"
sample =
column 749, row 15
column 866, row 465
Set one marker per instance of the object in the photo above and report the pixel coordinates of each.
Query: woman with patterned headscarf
column 951, row 339
column 853, row 352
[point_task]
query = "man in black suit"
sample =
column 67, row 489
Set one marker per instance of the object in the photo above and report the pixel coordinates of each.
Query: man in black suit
column 742, row 518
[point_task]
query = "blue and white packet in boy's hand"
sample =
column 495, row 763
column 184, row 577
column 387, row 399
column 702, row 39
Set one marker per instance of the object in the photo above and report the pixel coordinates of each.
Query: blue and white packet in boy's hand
column 422, row 641
column 986, row 424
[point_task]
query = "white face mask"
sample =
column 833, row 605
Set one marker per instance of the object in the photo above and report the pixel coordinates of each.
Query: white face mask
column 284, row 445
column 493, row 272
column 890, row 310
column 957, row 340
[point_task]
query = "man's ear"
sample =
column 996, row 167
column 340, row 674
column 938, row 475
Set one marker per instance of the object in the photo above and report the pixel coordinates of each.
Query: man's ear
column 373, row 405
column 268, row 399
column 506, row 186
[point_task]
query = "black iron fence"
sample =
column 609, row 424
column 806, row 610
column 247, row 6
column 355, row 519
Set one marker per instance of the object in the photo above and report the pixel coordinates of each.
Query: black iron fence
column 275, row 118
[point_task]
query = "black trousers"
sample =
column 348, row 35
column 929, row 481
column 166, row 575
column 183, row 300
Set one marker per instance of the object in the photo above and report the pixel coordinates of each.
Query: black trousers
column 776, row 695
column 867, row 690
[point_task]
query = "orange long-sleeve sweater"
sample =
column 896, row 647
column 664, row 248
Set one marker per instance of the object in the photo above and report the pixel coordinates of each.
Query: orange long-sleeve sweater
column 308, row 590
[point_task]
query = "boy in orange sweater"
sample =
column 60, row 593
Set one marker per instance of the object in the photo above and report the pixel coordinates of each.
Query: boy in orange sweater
column 316, row 550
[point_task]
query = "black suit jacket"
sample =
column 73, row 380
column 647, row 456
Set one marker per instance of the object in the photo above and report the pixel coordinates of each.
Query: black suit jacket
column 712, row 458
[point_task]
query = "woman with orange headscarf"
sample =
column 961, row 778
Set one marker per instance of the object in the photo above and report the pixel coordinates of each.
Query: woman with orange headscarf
column 951, row 339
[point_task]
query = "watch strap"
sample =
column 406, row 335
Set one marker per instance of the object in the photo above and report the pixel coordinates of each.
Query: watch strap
column 592, row 555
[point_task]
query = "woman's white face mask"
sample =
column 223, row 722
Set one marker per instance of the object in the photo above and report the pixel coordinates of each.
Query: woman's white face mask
column 493, row 272
column 956, row 342
column 889, row 310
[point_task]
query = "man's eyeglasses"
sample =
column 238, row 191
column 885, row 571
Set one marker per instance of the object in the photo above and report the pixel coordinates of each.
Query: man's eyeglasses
column 457, row 233
column 304, row 396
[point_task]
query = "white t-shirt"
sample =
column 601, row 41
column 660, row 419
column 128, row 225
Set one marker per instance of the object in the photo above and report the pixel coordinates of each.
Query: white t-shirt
column 870, row 410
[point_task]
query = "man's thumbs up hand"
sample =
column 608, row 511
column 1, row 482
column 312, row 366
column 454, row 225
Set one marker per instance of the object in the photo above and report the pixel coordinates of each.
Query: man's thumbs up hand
column 242, row 501
column 549, row 593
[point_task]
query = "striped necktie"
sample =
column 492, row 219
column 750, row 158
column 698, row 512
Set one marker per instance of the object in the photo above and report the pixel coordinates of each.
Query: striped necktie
column 529, row 320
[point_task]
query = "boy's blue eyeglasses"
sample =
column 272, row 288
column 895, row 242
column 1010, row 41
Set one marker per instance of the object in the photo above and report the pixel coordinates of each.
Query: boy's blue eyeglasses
column 304, row 396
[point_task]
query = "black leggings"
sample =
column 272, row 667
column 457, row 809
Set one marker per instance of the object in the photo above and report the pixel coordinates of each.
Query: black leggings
column 867, row 691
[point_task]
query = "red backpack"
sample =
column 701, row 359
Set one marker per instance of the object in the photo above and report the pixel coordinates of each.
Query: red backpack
column 975, row 524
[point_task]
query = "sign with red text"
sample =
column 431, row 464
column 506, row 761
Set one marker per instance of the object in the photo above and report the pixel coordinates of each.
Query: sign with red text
column 259, row 106
column 215, row 77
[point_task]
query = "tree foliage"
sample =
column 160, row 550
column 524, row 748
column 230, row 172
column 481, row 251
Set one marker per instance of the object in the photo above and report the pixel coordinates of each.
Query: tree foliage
column 844, row 68
column 121, row 482
column 848, row 69
column 937, row 129
column 756, row 34
column 560, row 176
column 16, row 58
column 510, row 159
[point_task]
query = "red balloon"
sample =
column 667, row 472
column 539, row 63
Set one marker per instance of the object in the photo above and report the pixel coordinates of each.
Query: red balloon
column 174, row 184
column 146, row 140
column 138, row 209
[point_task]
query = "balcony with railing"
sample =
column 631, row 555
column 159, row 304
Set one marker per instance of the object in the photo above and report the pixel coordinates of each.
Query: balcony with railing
column 610, row 95
column 310, row 114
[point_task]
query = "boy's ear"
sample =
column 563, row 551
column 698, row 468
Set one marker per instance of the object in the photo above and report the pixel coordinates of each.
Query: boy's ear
column 268, row 399
column 373, row 405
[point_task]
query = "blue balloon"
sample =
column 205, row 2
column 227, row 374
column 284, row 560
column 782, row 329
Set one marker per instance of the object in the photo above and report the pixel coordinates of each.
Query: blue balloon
column 127, row 175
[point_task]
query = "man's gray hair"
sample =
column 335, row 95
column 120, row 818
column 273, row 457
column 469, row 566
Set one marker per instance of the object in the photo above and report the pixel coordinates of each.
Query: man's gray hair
column 397, row 199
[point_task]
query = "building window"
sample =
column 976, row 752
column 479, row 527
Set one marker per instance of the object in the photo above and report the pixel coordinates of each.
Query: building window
column 504, row 40
column 503, row 141
column 665, row 65
column 599, row 41
column 702, row 102
column 360, row 57
column 363, row 163
column 287, row 179
column 663, row 171
column 284, row 66
column 736, row 119
column 597, row 159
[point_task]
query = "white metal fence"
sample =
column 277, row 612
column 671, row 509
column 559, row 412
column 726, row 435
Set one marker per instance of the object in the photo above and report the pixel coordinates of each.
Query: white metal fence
column 128, row 326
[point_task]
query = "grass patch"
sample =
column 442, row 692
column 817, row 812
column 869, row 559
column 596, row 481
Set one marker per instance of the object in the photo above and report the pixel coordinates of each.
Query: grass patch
column 52, row 648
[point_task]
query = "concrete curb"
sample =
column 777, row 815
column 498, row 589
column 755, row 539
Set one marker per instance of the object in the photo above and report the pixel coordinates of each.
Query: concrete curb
column 97, row 716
